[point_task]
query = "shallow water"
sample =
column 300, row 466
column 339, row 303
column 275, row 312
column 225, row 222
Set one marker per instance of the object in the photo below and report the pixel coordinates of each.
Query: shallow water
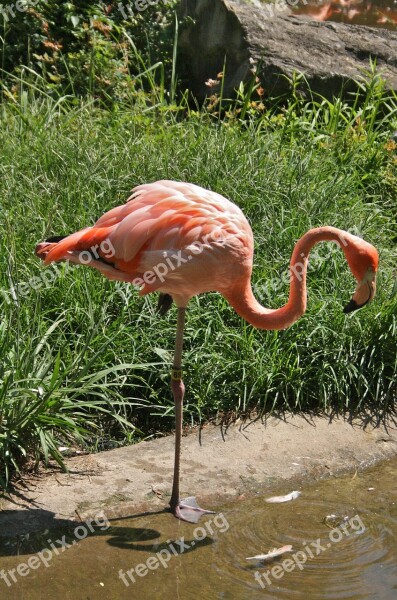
column 373, row 13
column 351, row 555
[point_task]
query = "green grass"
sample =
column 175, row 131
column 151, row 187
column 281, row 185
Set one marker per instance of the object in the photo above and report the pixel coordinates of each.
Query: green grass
column 81, row 357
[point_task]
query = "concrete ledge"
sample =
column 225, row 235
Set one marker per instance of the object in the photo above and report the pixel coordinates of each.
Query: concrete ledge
column 218, row 464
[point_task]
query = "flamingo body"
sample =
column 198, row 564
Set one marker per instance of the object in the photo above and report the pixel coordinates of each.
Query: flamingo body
column 203, row 241
column 182, row 240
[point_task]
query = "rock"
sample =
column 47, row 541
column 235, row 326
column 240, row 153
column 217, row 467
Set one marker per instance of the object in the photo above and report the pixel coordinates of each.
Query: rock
column 331, row 55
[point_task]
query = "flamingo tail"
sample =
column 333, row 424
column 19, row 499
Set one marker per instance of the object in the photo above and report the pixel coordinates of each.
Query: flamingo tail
column 93, row 240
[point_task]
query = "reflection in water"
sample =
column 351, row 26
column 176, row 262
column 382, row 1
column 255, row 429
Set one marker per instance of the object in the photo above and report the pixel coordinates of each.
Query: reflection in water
column 343, row 533
column 375, row 13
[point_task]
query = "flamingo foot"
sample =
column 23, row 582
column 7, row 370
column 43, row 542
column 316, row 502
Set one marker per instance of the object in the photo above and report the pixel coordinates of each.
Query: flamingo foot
column 188, row 510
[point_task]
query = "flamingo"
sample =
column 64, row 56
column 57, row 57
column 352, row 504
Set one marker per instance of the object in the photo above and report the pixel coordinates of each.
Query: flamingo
column 181, row 240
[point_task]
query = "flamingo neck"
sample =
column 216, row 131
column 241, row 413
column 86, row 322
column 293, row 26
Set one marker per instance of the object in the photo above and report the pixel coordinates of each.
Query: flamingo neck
column 245, row 304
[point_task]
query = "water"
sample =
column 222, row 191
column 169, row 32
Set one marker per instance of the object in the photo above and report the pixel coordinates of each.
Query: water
column 344, row 536
column 373, row 13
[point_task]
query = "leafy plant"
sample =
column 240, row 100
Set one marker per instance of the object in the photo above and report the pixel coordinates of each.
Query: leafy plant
column 82, row 48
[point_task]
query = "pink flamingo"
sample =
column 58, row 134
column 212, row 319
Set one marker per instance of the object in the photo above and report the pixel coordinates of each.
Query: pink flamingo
column 182, row 240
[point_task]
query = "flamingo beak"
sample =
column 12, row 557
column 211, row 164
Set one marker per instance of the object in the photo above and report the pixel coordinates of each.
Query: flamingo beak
column 364, row 293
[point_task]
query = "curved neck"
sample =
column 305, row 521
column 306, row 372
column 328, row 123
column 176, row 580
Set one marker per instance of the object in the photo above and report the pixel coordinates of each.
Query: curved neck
column 245, row 304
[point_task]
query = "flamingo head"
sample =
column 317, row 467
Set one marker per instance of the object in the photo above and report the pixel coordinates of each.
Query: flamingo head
column 363, row 261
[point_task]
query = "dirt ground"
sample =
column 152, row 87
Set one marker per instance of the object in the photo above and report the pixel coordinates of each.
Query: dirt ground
column 218, row 464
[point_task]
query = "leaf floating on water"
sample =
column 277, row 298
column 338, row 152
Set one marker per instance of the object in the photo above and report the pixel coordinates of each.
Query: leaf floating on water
column 272, row 554
column 278, row 499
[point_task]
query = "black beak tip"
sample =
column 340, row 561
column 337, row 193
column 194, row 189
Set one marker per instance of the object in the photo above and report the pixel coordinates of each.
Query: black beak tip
column 351, row 306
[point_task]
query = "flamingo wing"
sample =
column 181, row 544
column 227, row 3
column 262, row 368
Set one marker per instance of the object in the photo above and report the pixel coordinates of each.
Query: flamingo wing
column 163, row 223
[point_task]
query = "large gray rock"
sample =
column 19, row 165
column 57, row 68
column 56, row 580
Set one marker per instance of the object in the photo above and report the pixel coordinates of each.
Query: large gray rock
column 330, row 55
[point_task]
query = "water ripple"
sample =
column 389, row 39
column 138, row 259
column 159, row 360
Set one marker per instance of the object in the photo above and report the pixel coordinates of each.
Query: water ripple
column 351, row 555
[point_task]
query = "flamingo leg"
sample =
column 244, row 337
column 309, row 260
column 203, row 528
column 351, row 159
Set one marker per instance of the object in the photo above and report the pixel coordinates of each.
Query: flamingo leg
column 188, row 509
